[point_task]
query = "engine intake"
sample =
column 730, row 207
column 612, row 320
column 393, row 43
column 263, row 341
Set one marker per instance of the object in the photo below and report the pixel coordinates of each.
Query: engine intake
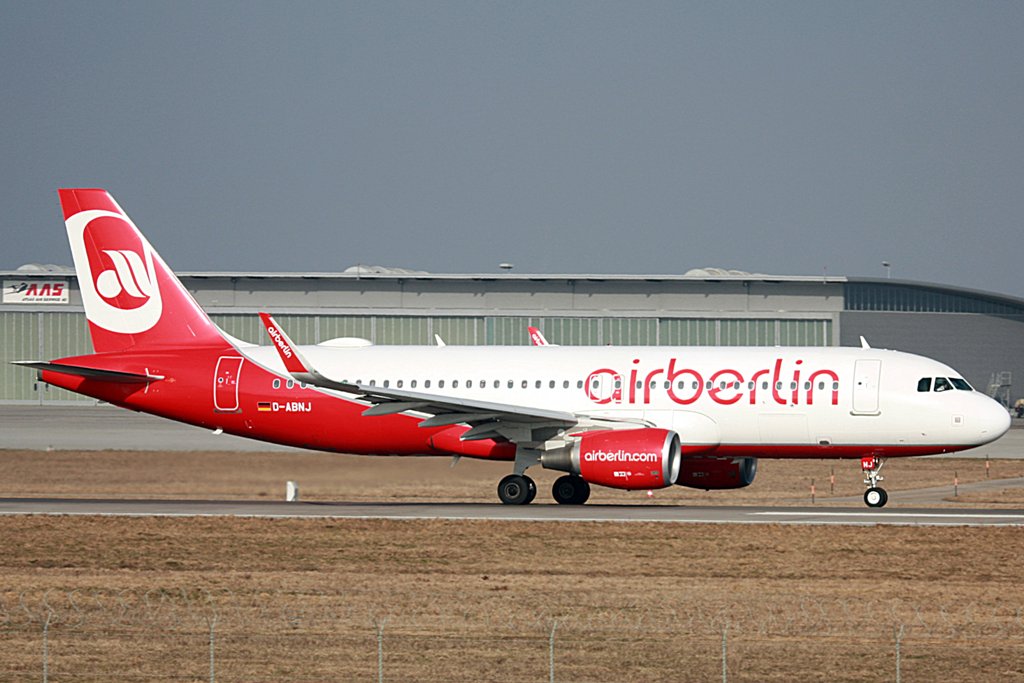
column 621, row 459
column 707, row 472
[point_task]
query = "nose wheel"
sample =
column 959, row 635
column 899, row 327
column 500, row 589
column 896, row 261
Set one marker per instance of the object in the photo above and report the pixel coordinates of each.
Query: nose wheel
column 875, row 496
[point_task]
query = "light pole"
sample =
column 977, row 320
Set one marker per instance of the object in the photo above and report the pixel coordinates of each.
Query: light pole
column 888, row 269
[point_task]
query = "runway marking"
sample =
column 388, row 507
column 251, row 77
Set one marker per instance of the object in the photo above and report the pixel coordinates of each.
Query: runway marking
column 956, row 515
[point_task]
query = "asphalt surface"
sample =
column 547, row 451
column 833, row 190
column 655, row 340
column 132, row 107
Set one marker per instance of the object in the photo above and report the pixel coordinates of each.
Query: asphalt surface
column 92, row 428
column 498, row 512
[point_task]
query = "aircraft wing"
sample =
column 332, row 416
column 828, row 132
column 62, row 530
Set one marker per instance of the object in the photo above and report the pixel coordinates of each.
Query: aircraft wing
column 499, row 421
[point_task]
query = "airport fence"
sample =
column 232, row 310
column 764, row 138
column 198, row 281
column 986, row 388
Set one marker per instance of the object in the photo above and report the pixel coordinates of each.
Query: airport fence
column 206, row 635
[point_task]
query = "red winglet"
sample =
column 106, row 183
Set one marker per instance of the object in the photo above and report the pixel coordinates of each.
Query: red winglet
column 285, row 347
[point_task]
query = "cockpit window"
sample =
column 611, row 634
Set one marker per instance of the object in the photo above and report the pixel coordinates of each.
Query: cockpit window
column 942, row 384
column 924, row 384
column 961, row 384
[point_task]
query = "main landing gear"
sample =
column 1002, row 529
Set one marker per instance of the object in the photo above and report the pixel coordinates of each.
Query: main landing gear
column 875, row 496
column 570, row 490
column 517, row 489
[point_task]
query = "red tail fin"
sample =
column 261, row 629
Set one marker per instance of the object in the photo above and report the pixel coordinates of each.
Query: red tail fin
column 131, row 298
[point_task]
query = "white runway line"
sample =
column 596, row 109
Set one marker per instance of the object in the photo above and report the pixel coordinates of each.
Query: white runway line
column 954, row 515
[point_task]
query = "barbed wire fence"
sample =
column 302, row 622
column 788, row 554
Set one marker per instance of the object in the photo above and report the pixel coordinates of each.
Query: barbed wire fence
column 208, row 634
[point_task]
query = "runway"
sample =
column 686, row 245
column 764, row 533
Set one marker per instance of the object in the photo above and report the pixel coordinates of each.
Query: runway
column 528, row 513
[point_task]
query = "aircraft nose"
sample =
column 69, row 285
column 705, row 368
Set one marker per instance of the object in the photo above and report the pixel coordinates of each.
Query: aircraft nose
column 994, row 420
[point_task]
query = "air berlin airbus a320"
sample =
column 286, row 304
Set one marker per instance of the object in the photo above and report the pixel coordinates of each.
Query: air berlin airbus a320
column 622, row 417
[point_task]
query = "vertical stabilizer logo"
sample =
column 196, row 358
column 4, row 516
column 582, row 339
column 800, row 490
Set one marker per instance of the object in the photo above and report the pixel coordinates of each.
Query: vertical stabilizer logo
column 116, row 271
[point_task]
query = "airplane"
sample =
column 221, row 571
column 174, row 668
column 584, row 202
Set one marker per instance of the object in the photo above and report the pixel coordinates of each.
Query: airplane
column 633, row 418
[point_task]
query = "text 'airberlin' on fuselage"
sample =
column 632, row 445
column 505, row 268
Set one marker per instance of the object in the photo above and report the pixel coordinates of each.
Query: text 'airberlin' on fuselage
column 726, row 386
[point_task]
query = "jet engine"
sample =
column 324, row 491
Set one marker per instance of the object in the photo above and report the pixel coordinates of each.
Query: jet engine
column 707, row 472
column 621, row 459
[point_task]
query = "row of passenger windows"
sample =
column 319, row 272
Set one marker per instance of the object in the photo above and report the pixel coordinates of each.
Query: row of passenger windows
column 595, row 384
column 943, row 384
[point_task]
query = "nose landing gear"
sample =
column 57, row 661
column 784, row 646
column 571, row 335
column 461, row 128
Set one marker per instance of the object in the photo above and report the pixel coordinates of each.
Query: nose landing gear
column 875, row 496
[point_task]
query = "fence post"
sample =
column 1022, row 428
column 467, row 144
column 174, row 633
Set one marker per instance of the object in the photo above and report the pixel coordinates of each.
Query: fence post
column 46, row 647
column 551, row 652
column 899, row 640
column 725, row 653
column 380, row 650
column 213, row 642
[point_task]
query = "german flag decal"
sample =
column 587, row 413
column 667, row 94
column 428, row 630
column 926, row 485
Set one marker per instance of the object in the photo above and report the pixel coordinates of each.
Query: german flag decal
column 263, row 406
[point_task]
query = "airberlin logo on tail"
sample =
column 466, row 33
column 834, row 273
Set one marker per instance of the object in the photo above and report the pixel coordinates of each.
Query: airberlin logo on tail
column 116, row 271
column 129, row 276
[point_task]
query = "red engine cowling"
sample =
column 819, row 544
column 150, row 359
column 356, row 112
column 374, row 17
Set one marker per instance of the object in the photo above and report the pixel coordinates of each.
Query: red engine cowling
column 622, row 459
column 706, row 472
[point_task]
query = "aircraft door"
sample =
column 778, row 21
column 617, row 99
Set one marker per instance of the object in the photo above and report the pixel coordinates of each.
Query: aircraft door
column 225, row 384
column 866, row 374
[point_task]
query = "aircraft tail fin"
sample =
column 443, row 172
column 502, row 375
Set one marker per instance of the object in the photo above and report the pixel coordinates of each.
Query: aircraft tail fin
column 131, row 298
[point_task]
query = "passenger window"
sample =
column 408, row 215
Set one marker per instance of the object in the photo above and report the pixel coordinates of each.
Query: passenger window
column 708, row 385
column 695, row 384
column 426, row 384
column 764, row 386
column 277, row 384
column 924, row 384
column 290, row 384
column 455, row 384
column 942, row 384
column 497, row 383
column 680, row 385
column 412, row 384
column 469, row 384
column 483, row 383
column 525, row 383
column 565, row 384
column 579, row 384
column 821, row 385
column 835, row 386
column 440, row 384
column 551, row 384
column 961, row 384
column 373, row 382
column 618, row 384
column 399, row 384
column 387, row 383
column 511, row 384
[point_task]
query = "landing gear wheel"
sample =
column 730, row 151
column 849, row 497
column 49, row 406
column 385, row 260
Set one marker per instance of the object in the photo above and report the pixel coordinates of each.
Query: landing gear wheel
column 876, row 497
column 516, row 489
column 570, row 490
column 533, row 490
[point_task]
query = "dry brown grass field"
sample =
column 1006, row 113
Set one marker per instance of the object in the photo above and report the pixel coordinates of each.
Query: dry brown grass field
column 137, row 598
column 133, row 599
column 322, row 477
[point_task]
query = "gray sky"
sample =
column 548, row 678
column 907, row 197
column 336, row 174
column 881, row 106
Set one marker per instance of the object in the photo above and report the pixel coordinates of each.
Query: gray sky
column 641, row 137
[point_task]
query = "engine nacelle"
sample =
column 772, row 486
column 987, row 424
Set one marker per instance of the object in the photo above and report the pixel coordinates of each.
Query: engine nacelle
column 707, row 472
column 621, row 459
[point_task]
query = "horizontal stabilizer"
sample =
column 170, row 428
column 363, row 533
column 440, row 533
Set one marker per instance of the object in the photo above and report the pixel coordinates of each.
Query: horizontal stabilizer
column 91, row 373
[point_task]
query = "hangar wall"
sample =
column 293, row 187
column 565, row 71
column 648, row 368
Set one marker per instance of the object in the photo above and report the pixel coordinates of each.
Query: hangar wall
column 978, row 333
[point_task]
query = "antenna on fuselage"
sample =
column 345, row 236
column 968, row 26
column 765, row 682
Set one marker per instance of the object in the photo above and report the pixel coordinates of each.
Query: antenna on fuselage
column 864, row 343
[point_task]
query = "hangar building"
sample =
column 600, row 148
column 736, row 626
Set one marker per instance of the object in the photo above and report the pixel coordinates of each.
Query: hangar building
column 979, row 333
